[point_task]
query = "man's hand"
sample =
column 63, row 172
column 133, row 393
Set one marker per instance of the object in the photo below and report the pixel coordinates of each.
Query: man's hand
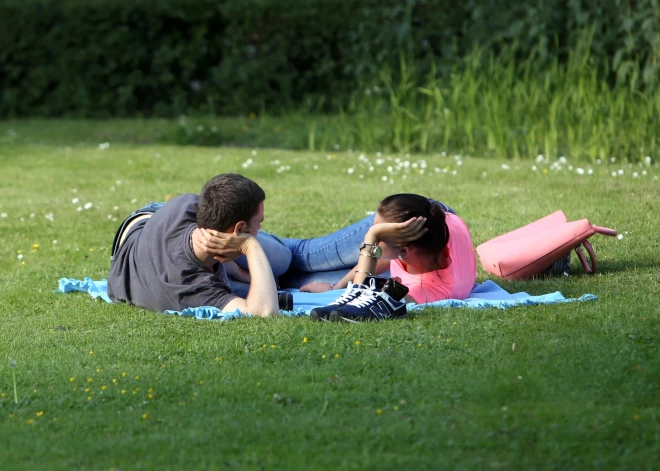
column 316, row 287
column 223, row 246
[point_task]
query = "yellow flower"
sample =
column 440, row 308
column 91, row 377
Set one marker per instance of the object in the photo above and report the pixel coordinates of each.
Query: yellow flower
column 150, row 390
column 151, row 396
column 396, row 407
column 98, row 370
column 90, row 380
column 87, row 390
column 419, row 344
column 104, row 387
column 637, row 417
column 89, row 398
column 322, row 357
column 123, row 374
column 336, row 355
column 30, row 421
column 144, row 416
column 91, row 352
column 137, row 378
column 201, row 381
column 218, row 358
column 253, row 115
column 304, row 339
column 123, row 391
column 244, row 128
column 40, row 413
column 379, row 411
column 357, row 342
column 35, row 246
column 72, row 379
column 272, row 346
column 114, row 381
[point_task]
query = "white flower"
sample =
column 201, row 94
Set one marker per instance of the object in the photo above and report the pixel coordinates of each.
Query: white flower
column 612, row 159
column 383, row 178
column 613, row 174
column 380, row 161
column 647, row 160
column 254, row 152
column 112, row 188
column 79, row 208
column 362, row 176
column 459, row 162
column 3, row 215
column 134, row 200
column 200, row 128
column 562, row 159
column 534, row 168
column 378, row 154
column 620, row 171
column 590, row 171
column 505, row 167
column 350, row 171
column 54, row 242
column 539, row 158
column 371, row 168
column 635, row 174
column 32, row 215
column 118, row 182
column 620, row 236
column 20, row 256
column 643, row 172
column 598, row 161
column 454, row 172
column 75, row 190
column 75, row 200
column 50, row 217
column 315, row 167
column 104, row 145
column 88, row 205
column 580, row 171
column 115, row 208
column 157, row 155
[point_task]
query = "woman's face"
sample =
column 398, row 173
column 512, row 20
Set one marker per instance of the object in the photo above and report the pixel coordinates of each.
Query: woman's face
column 390, row 252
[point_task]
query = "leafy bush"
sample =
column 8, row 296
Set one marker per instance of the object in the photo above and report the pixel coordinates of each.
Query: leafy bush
column 141, row 58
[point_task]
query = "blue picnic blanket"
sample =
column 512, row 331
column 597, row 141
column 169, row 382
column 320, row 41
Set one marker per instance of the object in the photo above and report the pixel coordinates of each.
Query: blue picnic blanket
column 486, row 294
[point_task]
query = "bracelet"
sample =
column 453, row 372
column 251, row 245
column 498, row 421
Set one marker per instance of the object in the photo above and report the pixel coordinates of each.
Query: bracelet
column 362, row 271
column 368, row 255
column 332, row 286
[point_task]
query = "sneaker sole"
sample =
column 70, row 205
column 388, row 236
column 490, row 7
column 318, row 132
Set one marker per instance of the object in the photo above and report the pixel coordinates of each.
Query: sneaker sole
column 316, row 318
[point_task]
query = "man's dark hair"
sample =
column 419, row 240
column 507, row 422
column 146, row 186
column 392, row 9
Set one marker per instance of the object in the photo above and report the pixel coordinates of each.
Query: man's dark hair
column 227, row 199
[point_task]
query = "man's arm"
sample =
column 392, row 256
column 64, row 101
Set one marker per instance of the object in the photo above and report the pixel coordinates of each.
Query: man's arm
column 262, row 296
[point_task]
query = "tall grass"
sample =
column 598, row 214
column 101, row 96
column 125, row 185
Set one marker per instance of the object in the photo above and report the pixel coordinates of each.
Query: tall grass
column 494, row 103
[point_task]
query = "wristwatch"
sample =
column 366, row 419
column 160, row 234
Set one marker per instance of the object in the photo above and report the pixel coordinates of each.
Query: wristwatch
column 374, row 250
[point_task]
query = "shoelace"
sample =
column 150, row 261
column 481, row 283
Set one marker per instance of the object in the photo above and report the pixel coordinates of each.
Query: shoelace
column 348, row 294
column 353, row 290
column 366, row 298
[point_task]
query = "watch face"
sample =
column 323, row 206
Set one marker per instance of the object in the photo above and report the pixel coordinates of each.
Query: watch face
column 377, row 251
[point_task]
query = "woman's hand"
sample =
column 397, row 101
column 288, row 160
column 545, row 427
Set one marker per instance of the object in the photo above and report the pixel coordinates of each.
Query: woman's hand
column 316, row 287
column 398, row 233
column 222, row 245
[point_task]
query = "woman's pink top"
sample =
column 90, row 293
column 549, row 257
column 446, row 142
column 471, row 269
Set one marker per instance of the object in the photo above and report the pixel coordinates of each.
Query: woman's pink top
column 455, row 281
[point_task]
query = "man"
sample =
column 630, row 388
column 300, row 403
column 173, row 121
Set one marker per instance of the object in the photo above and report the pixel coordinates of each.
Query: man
column 156, row 265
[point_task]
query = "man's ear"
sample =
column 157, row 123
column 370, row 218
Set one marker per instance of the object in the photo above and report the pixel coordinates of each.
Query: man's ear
column 239, row 227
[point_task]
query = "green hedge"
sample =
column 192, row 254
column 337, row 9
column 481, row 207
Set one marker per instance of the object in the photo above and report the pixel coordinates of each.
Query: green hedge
column 167, row 57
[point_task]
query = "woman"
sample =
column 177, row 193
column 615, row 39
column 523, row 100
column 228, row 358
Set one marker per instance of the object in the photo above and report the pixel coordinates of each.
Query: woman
column 420, row 241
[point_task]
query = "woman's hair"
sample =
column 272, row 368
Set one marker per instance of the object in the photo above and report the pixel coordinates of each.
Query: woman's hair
column 402, row 207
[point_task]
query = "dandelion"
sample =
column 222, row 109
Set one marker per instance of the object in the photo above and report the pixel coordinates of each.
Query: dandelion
column 357, row 342
column 137, row 378
column 72, row 379
column 123, row 391
column 4, row 215
column 90, row 380
column 145, row 416
column 620, row 236
column 273, row 346
column 91, row 352
column 637, row 417
column 40, row 413
column 98, row 370
column 19, row 256
column 35, row 246
column 322, row 357
column 304, row 339
column 395, row 407
column 336, row 355
column 75, row 200
column 104, row 387
column 201, row 381
column 379, row 411
column 123, row 374
column 580, row 171
column 88, row 206
column 30, row 421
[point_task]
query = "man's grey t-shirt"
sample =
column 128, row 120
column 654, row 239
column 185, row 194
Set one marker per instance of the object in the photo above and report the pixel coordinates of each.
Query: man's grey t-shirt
column 155, row 268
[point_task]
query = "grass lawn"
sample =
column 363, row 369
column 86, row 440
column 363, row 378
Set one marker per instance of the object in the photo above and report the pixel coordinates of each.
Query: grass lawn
column 115, row 387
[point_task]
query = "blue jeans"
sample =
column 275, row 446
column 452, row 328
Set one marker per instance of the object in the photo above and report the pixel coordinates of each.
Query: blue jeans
column 326, row 259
